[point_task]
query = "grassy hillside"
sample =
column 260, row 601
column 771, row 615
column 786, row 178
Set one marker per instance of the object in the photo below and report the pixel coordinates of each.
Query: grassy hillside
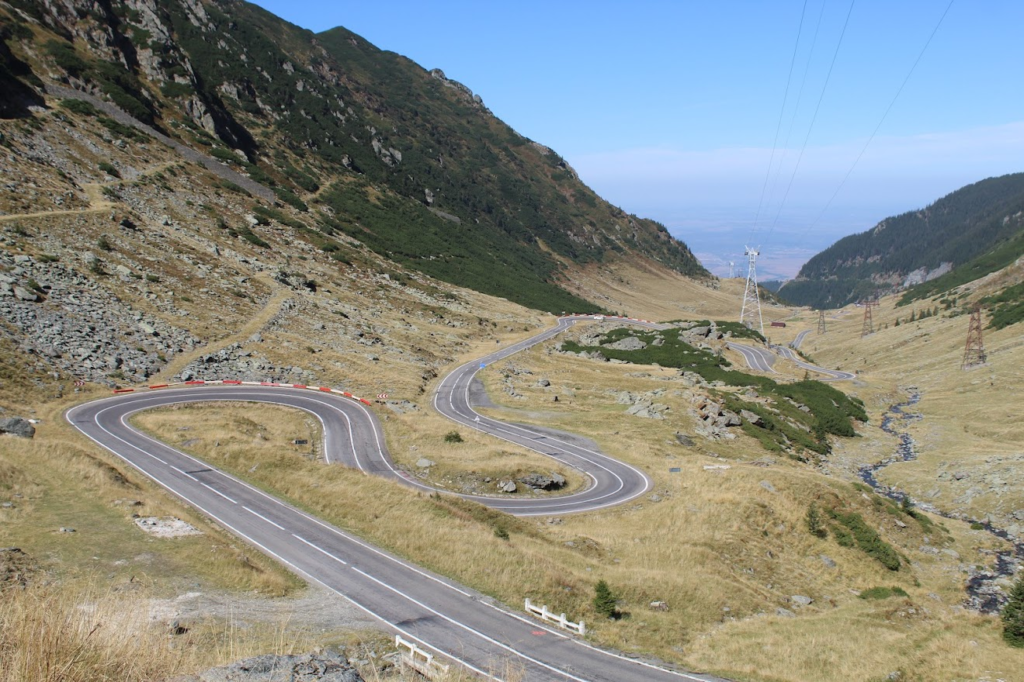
column 360, row 141
column 960, row 227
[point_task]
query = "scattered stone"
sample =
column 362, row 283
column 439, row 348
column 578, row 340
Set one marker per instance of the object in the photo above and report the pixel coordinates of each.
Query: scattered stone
column 659, row 606
column 330, row 666
column 16, row 426
column 785, row 613
column 767, row 485
column 827, row 560
column 800, row 600
column 166, row 527
column 543, row 383
column 424, row 463
column 64, row 529
column 685, row 440
column 507, row 486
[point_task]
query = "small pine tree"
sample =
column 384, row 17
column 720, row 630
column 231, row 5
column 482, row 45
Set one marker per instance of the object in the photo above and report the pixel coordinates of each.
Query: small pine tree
column 913, row 315
column 1013, row 616
column 604, row 600
column 815, row 523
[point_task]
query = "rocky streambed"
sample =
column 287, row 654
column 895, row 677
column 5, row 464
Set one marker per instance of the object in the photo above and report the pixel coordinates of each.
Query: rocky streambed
column 985, row 591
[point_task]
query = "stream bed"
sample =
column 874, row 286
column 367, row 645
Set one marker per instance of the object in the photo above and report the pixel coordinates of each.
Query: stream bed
column 984, row 594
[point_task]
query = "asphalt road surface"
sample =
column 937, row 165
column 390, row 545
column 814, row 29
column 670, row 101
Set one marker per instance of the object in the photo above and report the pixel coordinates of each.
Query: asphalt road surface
column 443, row 617
column 757, row 358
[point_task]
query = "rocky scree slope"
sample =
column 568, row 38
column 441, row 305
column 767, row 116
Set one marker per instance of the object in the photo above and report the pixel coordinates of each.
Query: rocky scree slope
column 360, row 141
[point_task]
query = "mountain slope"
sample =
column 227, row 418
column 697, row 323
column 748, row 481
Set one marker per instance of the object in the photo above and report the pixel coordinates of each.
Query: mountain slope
column 913, row 247
column 358, row 141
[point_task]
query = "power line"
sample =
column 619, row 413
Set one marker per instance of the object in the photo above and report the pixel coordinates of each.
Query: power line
column 884, row 116
column 814, row 118
column 782, row 113
column 799, row 99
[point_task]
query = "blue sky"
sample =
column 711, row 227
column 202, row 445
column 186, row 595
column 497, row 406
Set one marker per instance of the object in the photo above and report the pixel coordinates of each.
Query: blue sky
column 672, row 110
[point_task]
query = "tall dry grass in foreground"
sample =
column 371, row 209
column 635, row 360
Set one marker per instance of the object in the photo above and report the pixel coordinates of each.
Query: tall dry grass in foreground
column 58, row 633
column 54, row 634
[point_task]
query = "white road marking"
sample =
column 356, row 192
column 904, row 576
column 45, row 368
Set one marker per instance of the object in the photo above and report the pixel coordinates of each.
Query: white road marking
column 256, row 513
column 322, row 551
column 183, row 473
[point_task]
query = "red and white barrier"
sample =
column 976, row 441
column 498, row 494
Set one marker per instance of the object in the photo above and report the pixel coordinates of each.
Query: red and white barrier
column 237, row 382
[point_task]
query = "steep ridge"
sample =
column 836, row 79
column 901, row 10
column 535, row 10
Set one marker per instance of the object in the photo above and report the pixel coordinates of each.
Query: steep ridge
column 358, row 141
column 914, row 247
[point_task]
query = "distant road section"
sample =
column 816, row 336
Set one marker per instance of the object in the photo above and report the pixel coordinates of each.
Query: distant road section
column 762, row 359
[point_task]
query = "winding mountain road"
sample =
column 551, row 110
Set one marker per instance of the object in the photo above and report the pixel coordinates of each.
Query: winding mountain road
column 438, row 614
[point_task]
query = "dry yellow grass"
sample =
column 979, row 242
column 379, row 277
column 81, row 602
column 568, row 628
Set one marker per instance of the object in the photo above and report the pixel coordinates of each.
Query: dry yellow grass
column 719, row 547
column 969, row 424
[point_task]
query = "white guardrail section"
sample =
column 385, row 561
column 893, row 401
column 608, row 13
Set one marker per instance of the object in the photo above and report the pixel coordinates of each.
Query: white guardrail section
column 419, row 660
column 559, row 620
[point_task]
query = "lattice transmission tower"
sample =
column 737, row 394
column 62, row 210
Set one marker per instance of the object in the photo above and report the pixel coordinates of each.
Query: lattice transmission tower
column 869, row 324
column 821, row 322
column 974, row 350
column 751, row 297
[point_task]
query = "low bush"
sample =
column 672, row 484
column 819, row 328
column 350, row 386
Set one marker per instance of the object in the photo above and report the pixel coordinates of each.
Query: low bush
column 883, row 593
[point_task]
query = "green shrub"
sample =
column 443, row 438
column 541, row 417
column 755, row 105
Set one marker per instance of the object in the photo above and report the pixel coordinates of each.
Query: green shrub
column 453, row 437
column 78, row 106
column 866, row 538
column 1013, row 616
column 815, row 524
column 152, row 278
column 109, row 169
column 883, row 593
column 104, row 244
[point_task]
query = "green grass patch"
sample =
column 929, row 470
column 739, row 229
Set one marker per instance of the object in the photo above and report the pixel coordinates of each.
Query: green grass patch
column 784, row 425
column 850, row 529
column 883, row 593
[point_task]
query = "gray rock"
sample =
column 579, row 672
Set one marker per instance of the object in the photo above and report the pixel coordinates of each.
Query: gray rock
column 751, row 417
column 23, row 294
column 543, row 383
column 827, row 560
column 800, row 600
column 507, row 486
column 628, row 343
column 321, row 667
column 543, row 482
column 659, row 606
column 16, row 426
column 767, row 485
column 683, row 439
column 424, row 463
column 785, row 613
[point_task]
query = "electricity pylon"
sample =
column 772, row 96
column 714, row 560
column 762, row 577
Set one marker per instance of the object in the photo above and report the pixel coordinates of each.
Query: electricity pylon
column 751, row 297
column 821, row 322
column 974, row 351
column 869, row 324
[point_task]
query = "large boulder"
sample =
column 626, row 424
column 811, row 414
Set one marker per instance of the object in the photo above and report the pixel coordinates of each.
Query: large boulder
column 543, row 482
column 16, row 426
column 628, row 343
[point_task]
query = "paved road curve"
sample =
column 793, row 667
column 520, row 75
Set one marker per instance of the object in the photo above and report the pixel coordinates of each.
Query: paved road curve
column 435, row 612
